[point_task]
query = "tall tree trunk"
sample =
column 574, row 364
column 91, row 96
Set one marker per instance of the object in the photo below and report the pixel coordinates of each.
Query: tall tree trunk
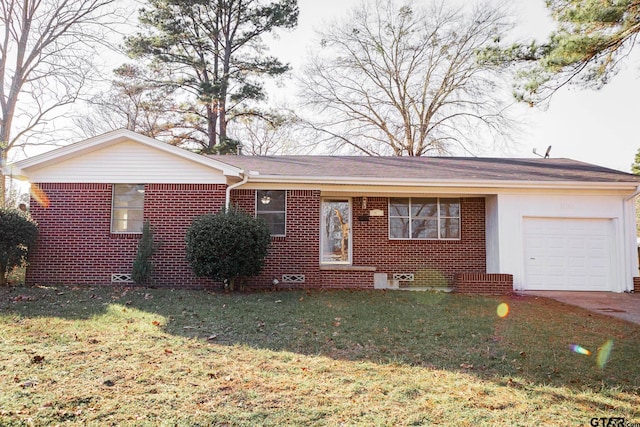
column 3, row 182
column 5, row 126
column 212, row 119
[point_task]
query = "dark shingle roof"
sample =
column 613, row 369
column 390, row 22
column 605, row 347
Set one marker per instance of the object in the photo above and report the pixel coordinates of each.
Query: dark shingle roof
column 428, row 168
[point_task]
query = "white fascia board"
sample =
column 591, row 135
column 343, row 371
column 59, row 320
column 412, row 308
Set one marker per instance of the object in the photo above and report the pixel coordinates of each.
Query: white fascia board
column 14, row 172
column 115, row 137
column 497, row 184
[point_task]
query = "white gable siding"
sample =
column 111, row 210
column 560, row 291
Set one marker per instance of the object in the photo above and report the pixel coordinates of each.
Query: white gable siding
column 127, row 162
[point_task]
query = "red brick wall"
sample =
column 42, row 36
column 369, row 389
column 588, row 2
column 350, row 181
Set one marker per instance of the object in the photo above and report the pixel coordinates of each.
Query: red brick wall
column 433, row 262
column 636, row 284
column 75, row 244
column 299, row 251
column 479, row 283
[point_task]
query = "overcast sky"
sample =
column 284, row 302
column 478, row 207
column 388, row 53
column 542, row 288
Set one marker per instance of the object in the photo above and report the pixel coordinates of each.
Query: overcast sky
column 597, row 127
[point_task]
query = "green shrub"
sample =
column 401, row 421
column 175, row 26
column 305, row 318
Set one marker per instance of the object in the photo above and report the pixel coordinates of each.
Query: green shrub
column 143, row 266
column 18, row 233
column 227, row 246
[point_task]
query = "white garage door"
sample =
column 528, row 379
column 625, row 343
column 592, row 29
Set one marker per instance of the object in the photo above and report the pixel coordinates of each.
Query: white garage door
column 567, row 254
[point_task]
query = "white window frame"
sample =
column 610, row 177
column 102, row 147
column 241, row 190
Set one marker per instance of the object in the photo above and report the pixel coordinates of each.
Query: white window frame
column 438, row 218
column 258, row 203
column 114, row 208
column 323, row 225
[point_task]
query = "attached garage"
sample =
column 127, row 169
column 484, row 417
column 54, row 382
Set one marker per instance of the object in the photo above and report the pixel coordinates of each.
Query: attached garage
column 568, row 254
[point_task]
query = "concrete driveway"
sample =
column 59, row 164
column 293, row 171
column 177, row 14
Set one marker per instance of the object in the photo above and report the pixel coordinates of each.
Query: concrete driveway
column 625, row 306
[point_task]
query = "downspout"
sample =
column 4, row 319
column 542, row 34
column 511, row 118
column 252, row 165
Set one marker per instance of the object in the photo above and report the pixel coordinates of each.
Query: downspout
column 231, row 187
column 634, row 252
column 626, row 199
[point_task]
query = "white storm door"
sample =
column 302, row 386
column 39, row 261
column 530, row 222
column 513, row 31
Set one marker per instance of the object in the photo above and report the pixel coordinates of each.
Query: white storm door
column 335, row 233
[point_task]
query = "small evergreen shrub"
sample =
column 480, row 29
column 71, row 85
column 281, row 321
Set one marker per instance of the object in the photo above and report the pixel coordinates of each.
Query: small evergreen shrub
column 228, row 246
column 143, row 265
column 18, row 234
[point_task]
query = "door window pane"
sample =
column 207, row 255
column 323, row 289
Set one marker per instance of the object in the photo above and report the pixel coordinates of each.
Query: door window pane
column 336, row 232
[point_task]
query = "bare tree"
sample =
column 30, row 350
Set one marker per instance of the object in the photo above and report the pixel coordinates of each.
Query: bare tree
column 404, row 80
column 267, row 135
column 46, row 53
column 139, row 100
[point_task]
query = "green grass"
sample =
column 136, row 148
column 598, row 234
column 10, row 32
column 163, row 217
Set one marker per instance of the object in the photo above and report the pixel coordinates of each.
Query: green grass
column 115, row 356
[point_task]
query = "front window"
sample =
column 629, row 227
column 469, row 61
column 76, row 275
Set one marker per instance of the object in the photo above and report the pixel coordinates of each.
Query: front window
column 127, row 213
column 336, row 232
column 271, row 206
column 424, row 218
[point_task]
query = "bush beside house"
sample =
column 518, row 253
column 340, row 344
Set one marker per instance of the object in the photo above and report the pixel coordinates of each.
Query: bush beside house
column 228, row 246
column 18, row 233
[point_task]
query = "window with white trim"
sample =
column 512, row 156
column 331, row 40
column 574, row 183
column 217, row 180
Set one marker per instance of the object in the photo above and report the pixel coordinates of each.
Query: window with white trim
column 271, row 206
column 127, row 209
column 424, row 218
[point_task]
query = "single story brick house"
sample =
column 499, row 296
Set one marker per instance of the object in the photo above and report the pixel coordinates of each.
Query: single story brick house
column 472, row 224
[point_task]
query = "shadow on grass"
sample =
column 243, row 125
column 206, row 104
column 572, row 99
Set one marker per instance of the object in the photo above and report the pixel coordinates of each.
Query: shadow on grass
column 434, row 330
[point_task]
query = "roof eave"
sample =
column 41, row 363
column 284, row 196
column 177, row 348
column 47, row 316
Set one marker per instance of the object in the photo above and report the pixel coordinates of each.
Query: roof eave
column 411, row 182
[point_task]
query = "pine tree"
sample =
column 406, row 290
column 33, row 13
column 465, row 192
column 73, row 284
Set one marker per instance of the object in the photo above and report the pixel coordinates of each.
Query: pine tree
column 213, row 51
column 591, row 38
column 635, row 166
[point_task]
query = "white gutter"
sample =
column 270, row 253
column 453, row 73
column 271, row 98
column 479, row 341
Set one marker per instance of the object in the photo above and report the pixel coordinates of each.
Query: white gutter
column 231, row 187
column 324, row 180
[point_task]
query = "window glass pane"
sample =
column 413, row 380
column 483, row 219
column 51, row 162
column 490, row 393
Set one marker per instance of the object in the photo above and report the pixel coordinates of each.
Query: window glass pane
column 127, row 215
column 424, row 207
column 399, row 228
column 398, row 207
column 450, row 207
column 126, row 195
column 271, row 200
column 275, row 222
column 424, row 229
column 270, row 206
column 127, row 221
column 450, row 228
column 424, row 218
column 336, row 231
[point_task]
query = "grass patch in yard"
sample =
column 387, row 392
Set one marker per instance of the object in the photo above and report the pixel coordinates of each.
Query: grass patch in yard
column 162, row 357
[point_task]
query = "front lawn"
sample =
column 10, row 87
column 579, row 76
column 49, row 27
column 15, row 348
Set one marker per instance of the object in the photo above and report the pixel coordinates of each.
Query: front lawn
column 117, row 356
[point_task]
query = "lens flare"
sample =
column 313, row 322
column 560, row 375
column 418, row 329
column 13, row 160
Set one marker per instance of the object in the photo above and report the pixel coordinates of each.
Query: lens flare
column 579, row 349
column 39, row 196
column 604, row 353
column 503, row 310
